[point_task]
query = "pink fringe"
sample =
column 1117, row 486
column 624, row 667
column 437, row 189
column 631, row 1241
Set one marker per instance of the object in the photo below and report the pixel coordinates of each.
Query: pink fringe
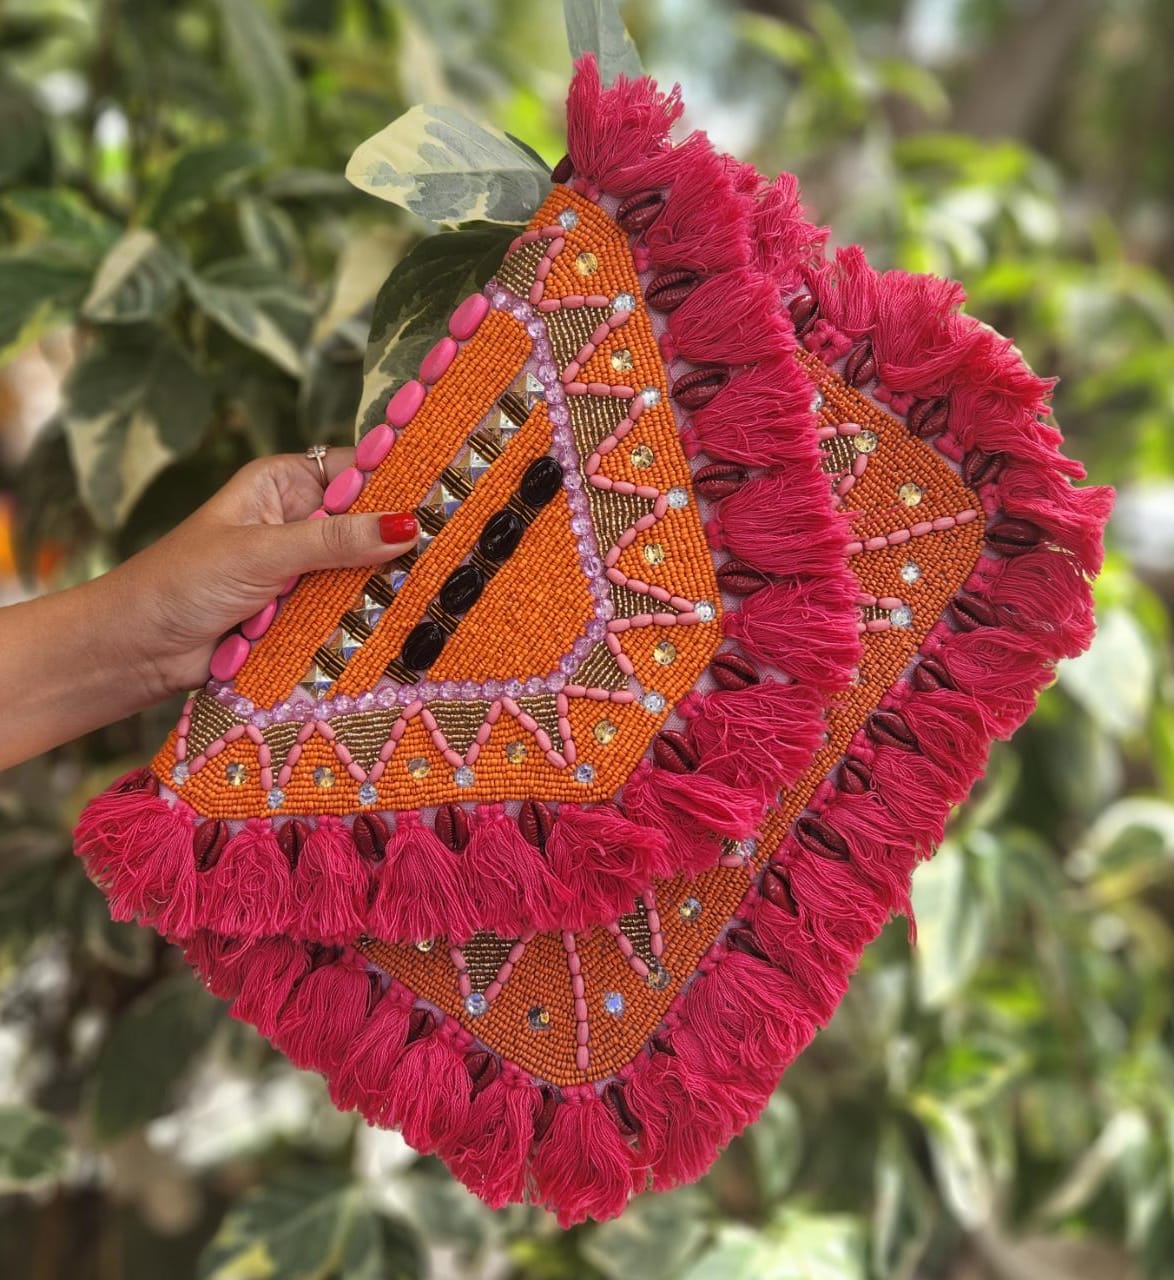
column 488, row 1154
column 512, row 886
column 731, row 318
column 417, row 888
column 426, row 1095
column 247, row 893
column 332, row 885
column 761, row 418
column 267, row 977
column 327, row 1008
column 787, row 244
column 699, row 201
column 368, row 1066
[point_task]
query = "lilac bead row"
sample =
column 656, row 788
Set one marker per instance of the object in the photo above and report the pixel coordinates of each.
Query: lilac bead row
column 340, row 494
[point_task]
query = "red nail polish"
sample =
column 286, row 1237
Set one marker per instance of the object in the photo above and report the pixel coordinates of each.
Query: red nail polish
column 399, row 526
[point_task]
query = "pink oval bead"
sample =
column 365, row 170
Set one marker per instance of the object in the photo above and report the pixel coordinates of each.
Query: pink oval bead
column 437, row 360
column 320, row 514
column 464, row 321
column 402, row 406
column 343, row 490
column 229, row 657
column 258, row 624
column 374, row 447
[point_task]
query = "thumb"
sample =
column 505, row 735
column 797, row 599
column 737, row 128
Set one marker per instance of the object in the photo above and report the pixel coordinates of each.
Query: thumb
column 335, row 542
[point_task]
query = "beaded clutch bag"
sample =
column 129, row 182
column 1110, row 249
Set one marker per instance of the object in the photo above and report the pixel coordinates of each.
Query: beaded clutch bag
column 553, row 842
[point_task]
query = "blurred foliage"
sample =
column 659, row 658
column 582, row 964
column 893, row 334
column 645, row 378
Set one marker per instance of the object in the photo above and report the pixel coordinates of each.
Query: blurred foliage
column 996, row 1101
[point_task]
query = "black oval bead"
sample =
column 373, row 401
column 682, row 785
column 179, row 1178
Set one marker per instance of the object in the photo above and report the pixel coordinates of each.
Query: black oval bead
column 461, row 589
column 501, row 535
column 541, row 482
column 423, row 645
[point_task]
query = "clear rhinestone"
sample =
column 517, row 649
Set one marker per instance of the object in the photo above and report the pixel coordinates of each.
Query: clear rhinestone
column 665, row 653
column 658, row 976
column 653, row 553
column 901, row 616
column 585, row 773
column 650, row 395
column 817, row 402
column 690, row 909
column 864, row 441
column 705, row 610
column 464, row 776
column 605, row 731
column 910, row 494
column 568, row 219
column 180, row 773
column 613, row 1003
column 368, row 793
column 621, row 360
column 515, row 752
column 642, row 457
column 678, row 498
column 910, row 571
column 276, row 798
column 653, row 701
column 476, row 1004
column 323, row 777
column 624, row 302
column 746, row 849
column 425, row 945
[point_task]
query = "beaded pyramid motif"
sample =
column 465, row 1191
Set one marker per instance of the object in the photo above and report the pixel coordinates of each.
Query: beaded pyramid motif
column 553, row 842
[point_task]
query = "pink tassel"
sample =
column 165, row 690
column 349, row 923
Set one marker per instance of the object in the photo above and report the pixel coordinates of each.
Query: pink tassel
column 999, row 672
column 138, row 849
column 1073, row 518
column 804, row 628
column 787, row 243
column 369, row 1064
column 703, row 223
column 328, row 1008
column 217, row 962
column 732, row 318
column 418, row 892
column 616, row 129
column 427, row 1095
column 331, row 885
column 1043, row 595
column 808, row 542
column 247, row 892
column 842, row 912
column 760, row 738
column 847, row 291
column 511, row 883
column 883, row 851
column 583, row 1168
column 821, row 972
column 762, row 418
column 693, row 847
column 709, row 802
column 604, row 861
column 488, row 1154
column 268, row 975
column 917, row 346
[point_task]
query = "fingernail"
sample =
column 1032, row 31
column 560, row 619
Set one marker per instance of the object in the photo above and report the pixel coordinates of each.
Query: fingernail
column 399, row 526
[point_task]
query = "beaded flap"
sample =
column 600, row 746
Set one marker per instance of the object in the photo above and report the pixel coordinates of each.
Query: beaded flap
column 553, row 842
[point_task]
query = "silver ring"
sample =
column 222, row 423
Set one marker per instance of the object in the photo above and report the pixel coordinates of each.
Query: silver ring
column 317, row 453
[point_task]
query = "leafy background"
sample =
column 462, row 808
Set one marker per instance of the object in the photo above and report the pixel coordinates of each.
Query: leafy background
column 186, row 280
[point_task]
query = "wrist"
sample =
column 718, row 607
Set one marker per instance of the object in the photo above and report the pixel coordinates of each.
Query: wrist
column 130, row 638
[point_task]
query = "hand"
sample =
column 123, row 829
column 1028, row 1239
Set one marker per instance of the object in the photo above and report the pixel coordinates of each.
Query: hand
column 232, row 556
column 96, row 653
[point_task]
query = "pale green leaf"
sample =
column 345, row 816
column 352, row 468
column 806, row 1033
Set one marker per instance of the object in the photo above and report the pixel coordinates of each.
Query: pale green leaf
column 136, row 281
column 437, row 163
column 595, row 26
column 951, row 925
column 1114, row 678
column 653, row 1239
column 255, row 50
column 133, row 404
column 963, row 1176
column 777, row 1146
column 268, row 232
column 799, row 1246
column 903, row 1211
column 32, row 1147
column 259, row 307
column 414, row 303
column 203, row 174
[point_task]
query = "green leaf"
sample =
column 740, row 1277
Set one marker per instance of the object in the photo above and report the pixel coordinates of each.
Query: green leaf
column 307, row 1224
column 201, row 175
column 437, row 163
column 24, row 139
column 1114, row 678
column 903, row 1212
column 133, row 404
column 258, row 306
column 799, row 1246
column 255, row 50
column 268, row 233
column 148, row 1052
column 37, row 292
column 32, row 1147
column 414, row 304
column 777, row 1146
column 61, row 216
column 951, row 925
column 136, row 281
column 654, row 1239
column 595, row 26
column 963, row 1177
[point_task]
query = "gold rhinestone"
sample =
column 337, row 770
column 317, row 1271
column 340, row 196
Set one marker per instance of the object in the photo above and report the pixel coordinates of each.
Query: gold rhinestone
column 236, row 774
column 515, row 752
column 605, row 730
column 642, row 456
column 665, row 653
column 425, row 945
column 654, row 553
column 621, row 360
column 864, row 441
column 586, row 264
column 690, row 909
column 418, row 767
column 324, row 777
column 910, row 493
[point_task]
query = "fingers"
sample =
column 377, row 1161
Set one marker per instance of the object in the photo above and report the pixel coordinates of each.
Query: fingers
column 337, row 459
column 337, row 542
